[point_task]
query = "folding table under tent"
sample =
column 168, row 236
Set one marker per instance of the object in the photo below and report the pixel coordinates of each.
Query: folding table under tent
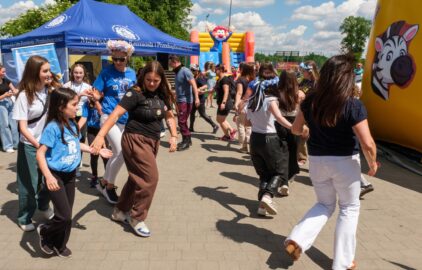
column 86, row 27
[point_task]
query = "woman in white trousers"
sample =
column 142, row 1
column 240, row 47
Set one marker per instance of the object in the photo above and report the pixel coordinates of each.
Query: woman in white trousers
column 337, row 124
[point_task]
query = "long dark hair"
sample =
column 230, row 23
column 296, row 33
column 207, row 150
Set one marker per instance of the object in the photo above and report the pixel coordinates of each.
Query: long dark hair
column 287, row 91
column 247, row 71
column 335, row 86
column 163, row 89
column 266, row 72
column 59, row 98
column 31, row 77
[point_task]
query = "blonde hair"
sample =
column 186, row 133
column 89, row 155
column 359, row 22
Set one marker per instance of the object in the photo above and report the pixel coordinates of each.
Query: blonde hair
column 120, row 46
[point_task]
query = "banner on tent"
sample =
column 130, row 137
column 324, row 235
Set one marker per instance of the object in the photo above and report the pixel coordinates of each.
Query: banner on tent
column 48, row 51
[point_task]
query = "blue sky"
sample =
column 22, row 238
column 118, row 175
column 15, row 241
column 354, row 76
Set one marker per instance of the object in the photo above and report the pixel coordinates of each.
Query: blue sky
column 305, row 25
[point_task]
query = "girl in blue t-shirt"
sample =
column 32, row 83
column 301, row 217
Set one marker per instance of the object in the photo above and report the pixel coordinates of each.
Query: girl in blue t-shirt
column 58, row 157
column 91, row 113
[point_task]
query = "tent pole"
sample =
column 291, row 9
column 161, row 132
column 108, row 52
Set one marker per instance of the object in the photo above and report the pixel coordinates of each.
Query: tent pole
column 67, row 64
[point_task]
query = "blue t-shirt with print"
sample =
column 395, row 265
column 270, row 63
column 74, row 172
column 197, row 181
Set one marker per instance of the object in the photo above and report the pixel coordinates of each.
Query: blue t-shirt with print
column 92, row 116
column 114, row 84
column 183, row 87
column 61, row 157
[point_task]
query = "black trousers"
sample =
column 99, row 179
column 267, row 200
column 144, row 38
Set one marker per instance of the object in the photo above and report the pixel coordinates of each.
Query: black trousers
column 202, row 113
column 270, row 159
column 57, row 230
column 91, row 134
column 291, row 140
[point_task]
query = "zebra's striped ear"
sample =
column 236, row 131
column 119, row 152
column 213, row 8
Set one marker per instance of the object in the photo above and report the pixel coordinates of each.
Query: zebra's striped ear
column 378, row 44
column 411, row 32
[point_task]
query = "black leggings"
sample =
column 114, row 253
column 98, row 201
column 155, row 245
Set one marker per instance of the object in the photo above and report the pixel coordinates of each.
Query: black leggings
column 202, row 113
column 92, row 133
column 270, row 159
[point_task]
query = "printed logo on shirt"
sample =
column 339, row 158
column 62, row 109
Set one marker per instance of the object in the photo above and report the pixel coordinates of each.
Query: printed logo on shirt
column 72, row 150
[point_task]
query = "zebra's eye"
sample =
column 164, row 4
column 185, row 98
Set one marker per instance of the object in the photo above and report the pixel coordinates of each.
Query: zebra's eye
column 402, row 52
column 389, row 55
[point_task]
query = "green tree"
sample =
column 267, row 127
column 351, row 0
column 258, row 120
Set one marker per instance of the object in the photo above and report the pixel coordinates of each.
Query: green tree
column 170, row 16
column 356, row 31
column 33, row 18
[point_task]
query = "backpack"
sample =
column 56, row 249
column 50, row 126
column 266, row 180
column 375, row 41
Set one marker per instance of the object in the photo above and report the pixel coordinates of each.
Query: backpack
column 232, row 88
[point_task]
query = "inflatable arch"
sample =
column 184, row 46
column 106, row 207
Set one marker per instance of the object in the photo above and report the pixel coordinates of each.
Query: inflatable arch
column 392, row 83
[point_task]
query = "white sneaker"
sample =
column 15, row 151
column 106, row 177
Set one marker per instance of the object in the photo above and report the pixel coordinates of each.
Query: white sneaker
column 119, row 216
column 27, row 227
column 48, row 214
column 162, row 134
column 261, row 211
column 284, row 190
column 269, row 205
column 140, row 228
column 10, row 150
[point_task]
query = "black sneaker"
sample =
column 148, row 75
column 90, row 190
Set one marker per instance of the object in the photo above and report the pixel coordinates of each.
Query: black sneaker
column 46, row 248
column 93, row 182
column 215, row 129
column 365, row 189
column 65, row 253
column 111, row 195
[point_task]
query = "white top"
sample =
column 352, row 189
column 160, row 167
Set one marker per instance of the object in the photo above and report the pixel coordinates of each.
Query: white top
column 79, row 88
column 263, row 120
column 22, row 111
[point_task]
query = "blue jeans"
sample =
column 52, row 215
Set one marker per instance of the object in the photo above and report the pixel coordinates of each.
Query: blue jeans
column 8, row 127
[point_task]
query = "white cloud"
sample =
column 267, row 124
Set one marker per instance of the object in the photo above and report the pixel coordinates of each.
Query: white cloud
column 239, row 3
column 13, row 11
column 49, row 2
column 198, row 10
column 328, row 17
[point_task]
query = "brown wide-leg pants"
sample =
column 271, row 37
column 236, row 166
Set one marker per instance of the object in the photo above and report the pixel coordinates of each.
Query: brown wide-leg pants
column 139, row 153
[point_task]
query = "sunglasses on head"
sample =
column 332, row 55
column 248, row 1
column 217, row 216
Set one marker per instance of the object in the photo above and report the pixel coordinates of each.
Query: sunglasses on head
column 118, row 59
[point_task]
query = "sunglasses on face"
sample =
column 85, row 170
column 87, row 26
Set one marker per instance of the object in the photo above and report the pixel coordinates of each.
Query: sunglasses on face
column 118, row 59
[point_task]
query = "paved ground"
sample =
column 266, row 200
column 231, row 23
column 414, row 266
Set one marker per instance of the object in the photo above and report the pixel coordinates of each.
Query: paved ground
column 203, row 217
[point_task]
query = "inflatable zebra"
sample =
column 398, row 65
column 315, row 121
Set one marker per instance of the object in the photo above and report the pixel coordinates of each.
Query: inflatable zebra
column 392, row 62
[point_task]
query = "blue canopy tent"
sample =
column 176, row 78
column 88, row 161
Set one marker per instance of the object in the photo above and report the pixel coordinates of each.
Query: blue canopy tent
column 86, row 27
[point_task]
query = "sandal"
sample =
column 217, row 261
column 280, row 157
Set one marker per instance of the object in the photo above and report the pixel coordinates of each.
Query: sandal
column 292, row 249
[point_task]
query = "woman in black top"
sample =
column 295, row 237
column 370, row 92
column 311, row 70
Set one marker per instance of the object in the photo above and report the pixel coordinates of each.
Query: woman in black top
column 289, row 98
column 8, row 127
column 147, row 104
column 337, row 124
column 224, row 101
column 201, row 83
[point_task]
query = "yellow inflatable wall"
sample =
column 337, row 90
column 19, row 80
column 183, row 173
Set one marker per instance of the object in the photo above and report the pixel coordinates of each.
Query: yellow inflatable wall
column 236, row 42
column 392, row 83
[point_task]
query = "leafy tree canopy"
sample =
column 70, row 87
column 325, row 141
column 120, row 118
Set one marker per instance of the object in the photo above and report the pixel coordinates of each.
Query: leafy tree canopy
column 319, row 59
column 170, row 16
column 355, row 30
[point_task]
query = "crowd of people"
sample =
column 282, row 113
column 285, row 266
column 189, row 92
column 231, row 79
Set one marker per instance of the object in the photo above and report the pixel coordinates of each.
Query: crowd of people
column 282, row 120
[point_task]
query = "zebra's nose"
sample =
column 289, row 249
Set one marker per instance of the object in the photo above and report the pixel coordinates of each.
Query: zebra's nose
column 402, row 70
